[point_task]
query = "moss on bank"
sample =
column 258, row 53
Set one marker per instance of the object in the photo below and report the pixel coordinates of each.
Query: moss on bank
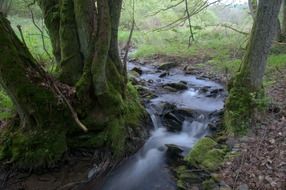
column 32, row 149
column 206, row 154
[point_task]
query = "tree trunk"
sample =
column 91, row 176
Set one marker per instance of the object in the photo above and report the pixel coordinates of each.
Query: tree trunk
column 247, row 85
column 283, row 27
column 40, row 137
column 84, row 38
column 252, row 4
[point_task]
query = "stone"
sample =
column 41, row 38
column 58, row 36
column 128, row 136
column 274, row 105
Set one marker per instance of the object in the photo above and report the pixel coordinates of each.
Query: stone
column 178, row 86
column 137, row 70
column 172, row 122
column 167, row 66
column 164, row 74
column 174, row 155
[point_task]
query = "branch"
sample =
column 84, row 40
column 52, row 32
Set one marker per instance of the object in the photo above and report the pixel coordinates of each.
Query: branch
column 231, row 28
column 199, row 7
column 40, row 30
column 190, row 24
column 167, row 8
column 21, row 34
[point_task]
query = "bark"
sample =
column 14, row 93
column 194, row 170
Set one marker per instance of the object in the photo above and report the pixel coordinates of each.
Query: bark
column 51, row 15
column 5, row 6
column 252, row 4
column 71, row 65
column 283, row 27
column 43, row 120
column 84, row 38
column 247, row 84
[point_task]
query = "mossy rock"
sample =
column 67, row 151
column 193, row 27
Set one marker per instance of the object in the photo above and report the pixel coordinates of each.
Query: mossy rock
column 209, row 184
column 206, row 154
column 32, row 149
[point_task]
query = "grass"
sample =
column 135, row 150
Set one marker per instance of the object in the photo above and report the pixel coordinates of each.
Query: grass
column 33, row 38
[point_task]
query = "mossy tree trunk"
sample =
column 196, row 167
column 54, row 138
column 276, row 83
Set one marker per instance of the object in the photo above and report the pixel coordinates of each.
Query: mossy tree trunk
column 283, row 27
column 247, row 85
column 84, row 40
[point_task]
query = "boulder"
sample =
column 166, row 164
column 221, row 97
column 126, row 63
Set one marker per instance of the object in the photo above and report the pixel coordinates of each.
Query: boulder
column 174, row 155
column 178, row 86
column 167, row 66
column 172, row 122
column 164, row 74
column 215, row 92
column 137, row 70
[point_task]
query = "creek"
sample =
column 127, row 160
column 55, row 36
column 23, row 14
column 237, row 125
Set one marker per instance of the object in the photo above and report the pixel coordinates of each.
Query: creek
column 192, row 110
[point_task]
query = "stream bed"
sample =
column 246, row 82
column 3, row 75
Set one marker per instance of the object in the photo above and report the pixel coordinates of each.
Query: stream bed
column 182, row 110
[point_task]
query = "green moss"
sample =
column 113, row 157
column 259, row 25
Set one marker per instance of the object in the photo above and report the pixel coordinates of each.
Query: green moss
column 186, row 177
column 241, row 105
column 117, row 133
column 209, row 184
column 206, row 155
column 32, row 148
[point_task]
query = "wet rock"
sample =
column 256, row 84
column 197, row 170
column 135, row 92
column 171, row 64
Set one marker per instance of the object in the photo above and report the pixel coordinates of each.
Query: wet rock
column 214, row 93
column 167, row 66
column 145, row 92
column 170, row 89
column 178, row 86
column 150, row 81
column 189, row 70
column 212, row 127
column 172, row 122
column 185, row 112
column 174, row 155
column 137, row 70
column 164, row 74
column 187, row 179
column 204, row 89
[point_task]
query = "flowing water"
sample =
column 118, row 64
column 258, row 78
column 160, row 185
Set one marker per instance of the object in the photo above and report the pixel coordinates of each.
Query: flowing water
column 147, row 169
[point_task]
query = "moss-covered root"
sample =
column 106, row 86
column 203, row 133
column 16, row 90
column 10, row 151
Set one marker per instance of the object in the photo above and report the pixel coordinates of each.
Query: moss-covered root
column 242, row 106
column 32, row 149
column 206, row 154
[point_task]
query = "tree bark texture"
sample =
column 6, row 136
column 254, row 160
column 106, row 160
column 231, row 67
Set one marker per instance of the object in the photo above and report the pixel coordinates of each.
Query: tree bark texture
column 248, row 83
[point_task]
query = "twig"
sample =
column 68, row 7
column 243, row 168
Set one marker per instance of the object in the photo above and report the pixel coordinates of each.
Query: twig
column 128, row 43
column 74, row 114
column 21, row 34
column 191, row 37
column 40, row 30
column 239, row 170
column 231, row 28
column 167, row 8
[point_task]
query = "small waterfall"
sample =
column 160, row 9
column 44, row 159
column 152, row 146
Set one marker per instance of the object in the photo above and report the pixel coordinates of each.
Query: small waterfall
column 147, row 169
